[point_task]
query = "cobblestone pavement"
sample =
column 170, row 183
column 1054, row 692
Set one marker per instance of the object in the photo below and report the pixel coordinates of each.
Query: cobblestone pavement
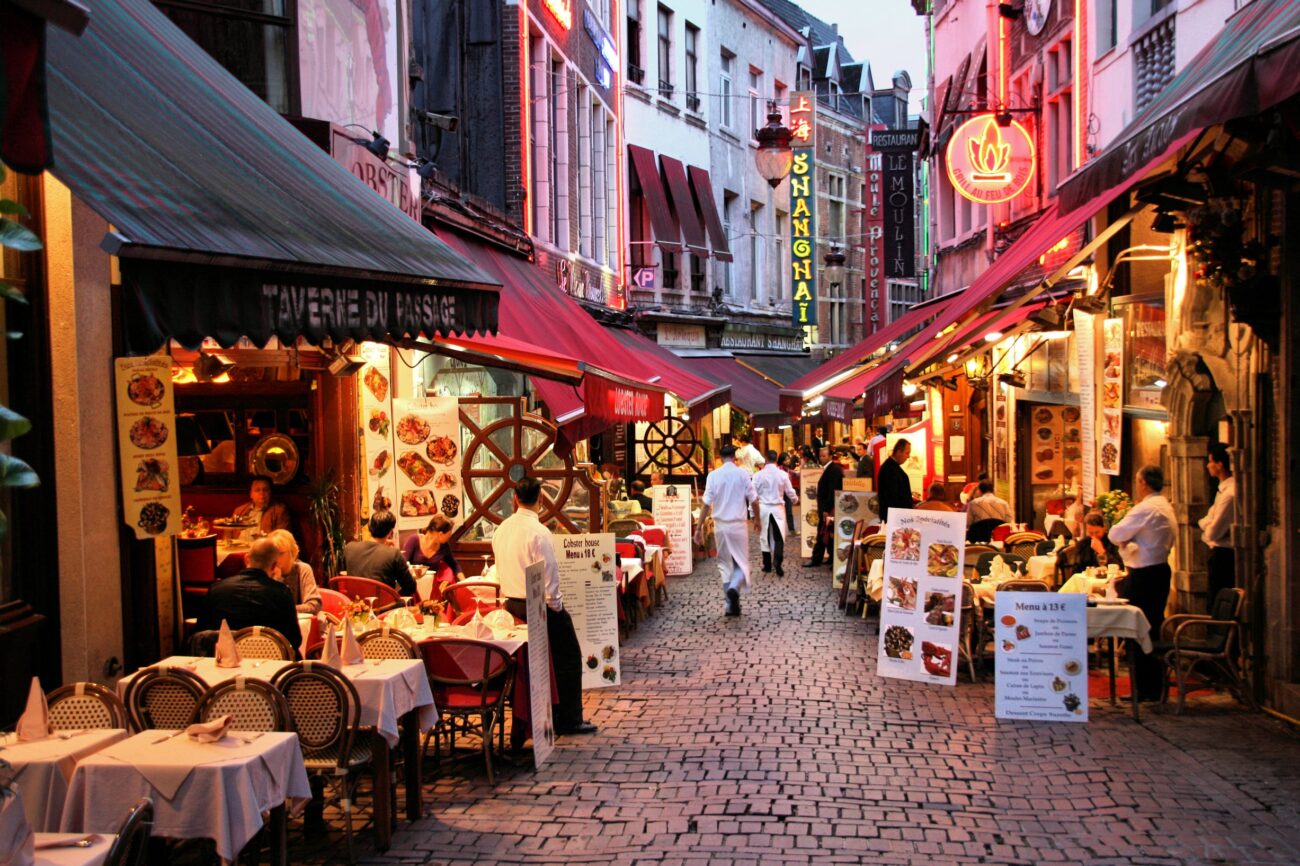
column 770, row 739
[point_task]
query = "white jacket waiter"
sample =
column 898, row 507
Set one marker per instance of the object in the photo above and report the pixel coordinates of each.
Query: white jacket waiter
column 772, row 485
column 727, row 495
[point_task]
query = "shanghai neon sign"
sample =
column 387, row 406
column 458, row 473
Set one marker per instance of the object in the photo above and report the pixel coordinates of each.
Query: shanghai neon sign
column 803, row 219
column 988, row 163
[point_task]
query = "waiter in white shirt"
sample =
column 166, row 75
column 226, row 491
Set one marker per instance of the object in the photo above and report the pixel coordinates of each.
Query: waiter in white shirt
column 1145, row 537
column 1216, row 525
column 772, row 486
column 519, row 541
column 747, row 456
column 728, row 493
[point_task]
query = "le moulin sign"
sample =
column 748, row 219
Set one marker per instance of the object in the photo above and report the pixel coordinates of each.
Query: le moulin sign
column 896, row 147
column 803, row 209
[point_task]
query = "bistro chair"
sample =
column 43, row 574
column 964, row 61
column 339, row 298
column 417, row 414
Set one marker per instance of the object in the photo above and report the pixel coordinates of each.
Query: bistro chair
column 80, row 706
column 386, row 642
column 469, row 678
column 335, row 748
column 470, row 595
column 981, row 531
column 873, row 548
column 357, row 588
column 131, row 846
column 623, row 526
column 1190, row 639
column 261, row 642
column 984, row 562
column 334, row 603
column 1023, row 543
column 253, row 705
column 1022, row 586
column 163, row 697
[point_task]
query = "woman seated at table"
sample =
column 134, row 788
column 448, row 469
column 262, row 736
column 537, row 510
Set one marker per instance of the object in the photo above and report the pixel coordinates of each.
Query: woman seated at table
column 295, row 574
column 1094, row 549
column 431, row 547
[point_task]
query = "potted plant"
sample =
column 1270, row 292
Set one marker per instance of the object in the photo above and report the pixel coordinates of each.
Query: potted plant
column 327, row 514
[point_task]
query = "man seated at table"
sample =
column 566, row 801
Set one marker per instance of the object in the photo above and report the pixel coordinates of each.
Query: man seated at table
column 987, row 505
column 377, row 558
column 295, row 574
column 938, row 499
column 638, row 494
column 1094, row 549
column 266, row 513
column 255, row 596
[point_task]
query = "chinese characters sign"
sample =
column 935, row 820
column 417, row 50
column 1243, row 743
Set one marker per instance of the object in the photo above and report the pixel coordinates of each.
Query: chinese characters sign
column 988, row 163
column 803, row 210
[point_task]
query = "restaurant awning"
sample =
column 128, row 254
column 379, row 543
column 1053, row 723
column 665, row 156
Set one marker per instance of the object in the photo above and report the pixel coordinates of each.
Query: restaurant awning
column 780, row 368
column 666, row 231
column 698, row 393
column 973, row 334
column 688, row 216
column 1248, row 68
column 229, row 222
column 750, row 391
column 703, row 189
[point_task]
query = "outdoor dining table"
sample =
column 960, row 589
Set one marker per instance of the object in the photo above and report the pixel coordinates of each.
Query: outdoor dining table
column 1041, row 567
column 43, row 768
column 49, row 851
column 215, row 791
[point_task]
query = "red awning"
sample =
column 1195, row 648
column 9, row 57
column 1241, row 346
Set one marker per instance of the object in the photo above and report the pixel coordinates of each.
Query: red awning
column 750, row 391
column 703, row 188
column 698, row 393
column 974, row 332
column 688, row 216
column 667, row 234
column 498, row 350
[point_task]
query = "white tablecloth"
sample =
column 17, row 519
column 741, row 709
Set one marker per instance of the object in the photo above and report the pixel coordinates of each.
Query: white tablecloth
column 1120, row 620
column 389, row 688
column 228, row 787
column 1082, row 583
column 206, row 669
column 1041, row 567
column 42, row 770
column 65, row 855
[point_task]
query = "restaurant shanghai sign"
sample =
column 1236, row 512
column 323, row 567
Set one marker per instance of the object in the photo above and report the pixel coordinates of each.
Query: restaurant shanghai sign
column 988, row 163
column 803, row 207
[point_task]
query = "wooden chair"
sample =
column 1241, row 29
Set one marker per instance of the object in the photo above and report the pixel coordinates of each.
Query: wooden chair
column 131, row 846
column 469, row 678
column 469, row 595
column 873, row 548
column 387, row 643
column 356, row 588
column 79, row 706
column 262, row 642
column 252, row 704
column 335, row 747
column 1189, row 639
column 163, row 697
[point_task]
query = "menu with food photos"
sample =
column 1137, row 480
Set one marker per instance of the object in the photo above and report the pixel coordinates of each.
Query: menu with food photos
column 672, row 511
column 426, row 443
column 808, row 516
column 1046, row 442
column 375, row 396
column 920, row 605
column 850, row 507
column 146, row 443
column 1085, row 373
column 539, row 664
column 1041, row 656
column 1112, row 395
column 589, row 587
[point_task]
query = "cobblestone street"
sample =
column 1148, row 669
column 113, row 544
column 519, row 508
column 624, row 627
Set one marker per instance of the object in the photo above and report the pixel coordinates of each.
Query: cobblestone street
column 769, row 739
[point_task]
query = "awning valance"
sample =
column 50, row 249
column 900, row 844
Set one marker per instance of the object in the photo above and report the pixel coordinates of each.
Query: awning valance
column 703, row 189
column 671, row 372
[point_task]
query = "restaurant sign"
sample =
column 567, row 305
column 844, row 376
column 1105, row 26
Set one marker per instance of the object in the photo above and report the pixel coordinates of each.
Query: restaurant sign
column 680, row 336
column 146, row 443
column 874, row 241
column 376, row 173
column 803, row 209
column 989, row 163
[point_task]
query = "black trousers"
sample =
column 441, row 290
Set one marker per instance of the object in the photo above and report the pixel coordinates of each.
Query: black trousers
column 775, row 541
column 1148, row 588
column 566, row 658
column 820, row 547
column 1223, row 570
column 789, row 515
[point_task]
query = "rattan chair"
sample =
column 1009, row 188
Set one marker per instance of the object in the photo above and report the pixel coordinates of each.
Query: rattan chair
column 131, row 847
column 334, row 602
column 469, row 678
column 80, row 706
column 253, row 705
column 971, row 556
column 873, row 548
column 261, row 642
column 387, row 643
column 469, row 595
column 326, row 712
column 1188, row 640
column 1023, row 543
column 1022, row 586
column 163, row 697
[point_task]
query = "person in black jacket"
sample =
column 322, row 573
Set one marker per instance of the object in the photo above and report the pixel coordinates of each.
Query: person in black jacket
column 377, row 558
column 1093, row 550
column 255, row 596
column 832, row 481
column 894, row 488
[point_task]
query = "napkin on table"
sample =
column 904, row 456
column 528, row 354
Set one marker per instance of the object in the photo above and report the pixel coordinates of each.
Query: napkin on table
column 210, row 731
column 478, row 628
column 34, row 724
column 351, row 654
column 499, row 619
column 329, row 653
column 227, row 653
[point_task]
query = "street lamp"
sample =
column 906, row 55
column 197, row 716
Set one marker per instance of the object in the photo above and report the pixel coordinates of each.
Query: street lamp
column 774, row 156
column 834, row 266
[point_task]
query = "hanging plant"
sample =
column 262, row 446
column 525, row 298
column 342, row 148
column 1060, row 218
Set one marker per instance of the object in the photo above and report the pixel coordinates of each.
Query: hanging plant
column 1225, row 260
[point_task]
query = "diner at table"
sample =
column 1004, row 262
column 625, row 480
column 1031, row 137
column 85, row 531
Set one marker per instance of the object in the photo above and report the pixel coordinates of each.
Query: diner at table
column 377, row 558
column 296, row 574
column 261, row 510
column 430, row 548
column 255, row 596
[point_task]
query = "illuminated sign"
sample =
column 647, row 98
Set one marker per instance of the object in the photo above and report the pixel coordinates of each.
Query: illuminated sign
column 562, row 11
column 803, row 211
column 988, row 163
column 874, row 236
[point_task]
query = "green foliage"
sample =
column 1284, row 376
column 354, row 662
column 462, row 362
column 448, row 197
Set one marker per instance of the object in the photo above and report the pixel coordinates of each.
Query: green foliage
column 327, row 513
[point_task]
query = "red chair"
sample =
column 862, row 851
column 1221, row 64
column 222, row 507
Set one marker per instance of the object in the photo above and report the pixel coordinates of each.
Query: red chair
column 655, row 535
column 472, row 595
column 627, row 550
column 363, row 587
column 334, row 602
column 469, row 678
column 1000, row 533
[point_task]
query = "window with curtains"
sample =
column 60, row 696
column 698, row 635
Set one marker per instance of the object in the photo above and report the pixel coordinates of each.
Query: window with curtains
column 690, row 73
column 728, row 211
column 665, row 52
column 697, row 275
column 781, row 270
column 1107, row 25
column 756, row 119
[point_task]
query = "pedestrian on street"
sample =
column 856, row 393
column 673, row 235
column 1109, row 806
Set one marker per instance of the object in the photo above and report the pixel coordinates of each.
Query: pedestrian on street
column 832, row 481
column 894, row 488
column 772, row 484
column 521, row 540
column 1216, row 525
column 1145, row 536
column 728, row 494
column 747, row 456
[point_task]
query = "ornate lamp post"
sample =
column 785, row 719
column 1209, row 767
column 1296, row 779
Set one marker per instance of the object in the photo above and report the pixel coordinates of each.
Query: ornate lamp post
column 774, row 156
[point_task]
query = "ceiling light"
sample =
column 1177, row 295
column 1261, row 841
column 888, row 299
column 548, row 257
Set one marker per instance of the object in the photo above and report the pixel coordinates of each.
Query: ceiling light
column 909, row 388
column 952, row 359
column 992, row 336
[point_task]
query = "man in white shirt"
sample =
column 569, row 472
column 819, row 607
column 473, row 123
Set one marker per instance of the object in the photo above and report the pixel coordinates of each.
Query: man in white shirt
column 747, row 456
column 728, row 493
column 988, row 506
column 518, row 542
column 1216, row 525
column 1145, row 537
column 772, row 486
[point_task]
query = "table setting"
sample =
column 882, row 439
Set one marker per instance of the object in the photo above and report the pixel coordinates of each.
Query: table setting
column 72, row 849
column 42, row 769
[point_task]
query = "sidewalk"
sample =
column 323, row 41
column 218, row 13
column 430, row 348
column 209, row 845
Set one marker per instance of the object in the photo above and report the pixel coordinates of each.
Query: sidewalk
column 769, row 739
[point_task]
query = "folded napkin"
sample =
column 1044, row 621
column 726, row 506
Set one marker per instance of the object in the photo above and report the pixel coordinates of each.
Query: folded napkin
column 499, row 619
column 35, row 721
column 329, row 654
column 478, row 628
column 227, row 652
column 351, row 654
column 211, row 731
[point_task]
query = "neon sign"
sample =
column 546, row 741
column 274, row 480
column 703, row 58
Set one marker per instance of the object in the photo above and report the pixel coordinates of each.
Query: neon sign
column 988, row 163
column 562, row 11
column 803, row 218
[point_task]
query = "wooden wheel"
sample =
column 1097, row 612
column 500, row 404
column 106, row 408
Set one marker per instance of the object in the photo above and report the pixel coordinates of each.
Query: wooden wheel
column 669, row 446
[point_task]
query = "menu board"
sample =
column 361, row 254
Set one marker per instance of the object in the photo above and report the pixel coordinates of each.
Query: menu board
column 1085, row 373
column 539, row 664
column 672, row 511
column 1004, row 414
column 146, row 443
column 590, row 591
column 1041, row 656
column 426, row 440
column 1112, row 394
column 809, row 518
column 850, row 507
column 376, row 401
column 1046, row 438
column 920, row 606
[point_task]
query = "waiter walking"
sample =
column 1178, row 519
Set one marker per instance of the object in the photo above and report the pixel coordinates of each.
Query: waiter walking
column 772, row 485
column 728, row 493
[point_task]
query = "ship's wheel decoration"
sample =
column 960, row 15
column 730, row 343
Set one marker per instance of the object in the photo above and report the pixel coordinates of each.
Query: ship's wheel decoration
column 669, row 446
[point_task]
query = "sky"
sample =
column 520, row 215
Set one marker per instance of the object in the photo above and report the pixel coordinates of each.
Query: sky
column 888, row 34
